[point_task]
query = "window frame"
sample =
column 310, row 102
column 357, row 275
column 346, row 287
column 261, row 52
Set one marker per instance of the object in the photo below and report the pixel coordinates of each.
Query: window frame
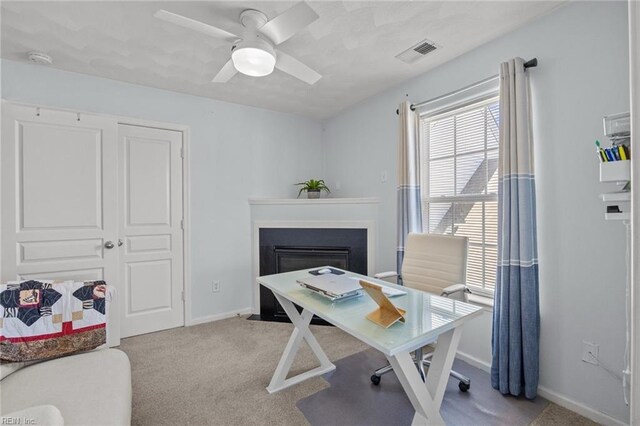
column 451, row 109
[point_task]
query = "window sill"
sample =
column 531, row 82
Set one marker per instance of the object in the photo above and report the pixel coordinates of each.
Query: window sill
column 482, row 301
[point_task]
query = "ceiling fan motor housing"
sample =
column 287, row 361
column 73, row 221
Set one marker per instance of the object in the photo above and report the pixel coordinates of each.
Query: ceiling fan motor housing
column 253, row 55
column 253, row 19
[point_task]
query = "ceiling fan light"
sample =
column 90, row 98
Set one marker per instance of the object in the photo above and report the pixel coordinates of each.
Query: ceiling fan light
column 254, row 60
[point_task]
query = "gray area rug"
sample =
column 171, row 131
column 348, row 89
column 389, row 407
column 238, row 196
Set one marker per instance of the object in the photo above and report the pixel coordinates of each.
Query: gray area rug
column 351, row 399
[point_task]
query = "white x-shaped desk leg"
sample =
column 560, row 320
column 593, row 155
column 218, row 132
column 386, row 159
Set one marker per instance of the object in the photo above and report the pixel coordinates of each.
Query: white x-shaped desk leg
column 426, row 397
column 301, row 332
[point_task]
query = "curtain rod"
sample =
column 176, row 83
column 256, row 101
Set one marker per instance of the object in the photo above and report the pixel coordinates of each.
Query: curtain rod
column 531, row 63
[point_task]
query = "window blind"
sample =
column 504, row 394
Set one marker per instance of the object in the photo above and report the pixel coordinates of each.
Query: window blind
column 460, row 183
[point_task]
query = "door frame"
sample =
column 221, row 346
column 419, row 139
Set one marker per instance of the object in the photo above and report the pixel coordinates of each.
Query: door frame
column 186, row 182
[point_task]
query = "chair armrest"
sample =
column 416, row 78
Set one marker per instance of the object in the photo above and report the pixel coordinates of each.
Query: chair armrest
column 453, row 289
column 383, row 275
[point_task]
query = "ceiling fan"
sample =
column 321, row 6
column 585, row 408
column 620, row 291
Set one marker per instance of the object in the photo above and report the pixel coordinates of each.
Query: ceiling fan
column 253, row 52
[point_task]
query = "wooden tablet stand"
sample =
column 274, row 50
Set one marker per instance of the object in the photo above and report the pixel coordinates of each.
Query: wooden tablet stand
column 387, row 314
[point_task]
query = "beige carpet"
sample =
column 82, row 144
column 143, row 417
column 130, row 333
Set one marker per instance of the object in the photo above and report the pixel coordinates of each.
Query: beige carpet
column 216, row 373
column 555, row 415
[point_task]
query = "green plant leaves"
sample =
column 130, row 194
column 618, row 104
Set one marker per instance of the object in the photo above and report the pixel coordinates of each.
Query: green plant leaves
column 313, row 185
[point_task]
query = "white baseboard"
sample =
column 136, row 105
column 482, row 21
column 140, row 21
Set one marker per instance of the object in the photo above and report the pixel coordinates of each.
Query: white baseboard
column 218, row 317
column 482, row 365
column 552, row 396
column 583, row 410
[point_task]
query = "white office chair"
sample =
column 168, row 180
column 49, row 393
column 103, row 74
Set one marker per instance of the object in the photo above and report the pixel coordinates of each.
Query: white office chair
column 435, row 264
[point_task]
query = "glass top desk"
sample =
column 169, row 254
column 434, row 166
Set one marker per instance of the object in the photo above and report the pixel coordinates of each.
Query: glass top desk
column 428, row 318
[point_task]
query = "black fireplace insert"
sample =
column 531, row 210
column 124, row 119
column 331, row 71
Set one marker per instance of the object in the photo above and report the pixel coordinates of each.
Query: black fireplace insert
column 292, row 249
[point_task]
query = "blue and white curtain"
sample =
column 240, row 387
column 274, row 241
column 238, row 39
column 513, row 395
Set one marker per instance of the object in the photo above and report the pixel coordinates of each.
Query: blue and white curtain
column 516, row 314
column 409, row 198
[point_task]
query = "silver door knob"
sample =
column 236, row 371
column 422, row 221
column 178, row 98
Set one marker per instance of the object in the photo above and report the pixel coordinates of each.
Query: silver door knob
column 109, row 245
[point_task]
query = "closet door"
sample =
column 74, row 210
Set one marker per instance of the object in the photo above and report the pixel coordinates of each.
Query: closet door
column 151, row 229
column 59, row 187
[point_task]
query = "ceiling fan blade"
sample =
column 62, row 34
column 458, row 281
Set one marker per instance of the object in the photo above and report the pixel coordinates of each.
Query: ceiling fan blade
column 292, row 66
column 285, row 25
column 194, row 25
column 225, row 74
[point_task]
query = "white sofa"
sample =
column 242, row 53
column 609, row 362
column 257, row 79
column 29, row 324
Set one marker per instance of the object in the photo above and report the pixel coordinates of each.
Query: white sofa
column 92, row 388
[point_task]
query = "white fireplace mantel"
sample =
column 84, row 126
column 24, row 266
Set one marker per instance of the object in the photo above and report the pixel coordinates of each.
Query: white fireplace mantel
column 306, row 201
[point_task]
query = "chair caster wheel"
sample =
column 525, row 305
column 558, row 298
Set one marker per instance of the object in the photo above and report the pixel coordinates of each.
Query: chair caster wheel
column 375, row 379
column 463, row 386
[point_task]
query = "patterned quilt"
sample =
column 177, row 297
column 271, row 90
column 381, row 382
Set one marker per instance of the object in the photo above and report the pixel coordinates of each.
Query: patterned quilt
column 46, row 319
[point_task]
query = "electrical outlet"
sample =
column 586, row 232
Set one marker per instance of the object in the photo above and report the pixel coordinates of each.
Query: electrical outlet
column 216, row 286
column 590, row 353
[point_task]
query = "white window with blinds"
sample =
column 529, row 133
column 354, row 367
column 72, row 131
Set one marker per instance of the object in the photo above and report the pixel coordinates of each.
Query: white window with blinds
column 460, row 182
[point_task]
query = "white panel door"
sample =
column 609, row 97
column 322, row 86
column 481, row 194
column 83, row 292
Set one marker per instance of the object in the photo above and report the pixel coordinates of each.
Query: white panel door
column 150, row 229
column 59, row 186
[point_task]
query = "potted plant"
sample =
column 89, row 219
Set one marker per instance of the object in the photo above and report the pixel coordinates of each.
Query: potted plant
column 313, row 188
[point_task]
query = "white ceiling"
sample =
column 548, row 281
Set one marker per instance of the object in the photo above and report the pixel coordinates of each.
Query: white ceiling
column 353, row 44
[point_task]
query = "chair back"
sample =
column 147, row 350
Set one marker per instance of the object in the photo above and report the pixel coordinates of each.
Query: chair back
column 433, row 262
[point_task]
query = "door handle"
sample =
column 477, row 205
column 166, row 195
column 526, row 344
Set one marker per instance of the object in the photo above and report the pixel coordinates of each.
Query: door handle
column 109, row 245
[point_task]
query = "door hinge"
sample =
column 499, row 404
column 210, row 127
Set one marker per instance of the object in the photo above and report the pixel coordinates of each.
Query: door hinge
column 182, row 296
column 182, row 152
column 182, row 224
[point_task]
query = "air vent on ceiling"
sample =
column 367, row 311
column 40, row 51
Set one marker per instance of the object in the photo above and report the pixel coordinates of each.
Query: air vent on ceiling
column 417, row 52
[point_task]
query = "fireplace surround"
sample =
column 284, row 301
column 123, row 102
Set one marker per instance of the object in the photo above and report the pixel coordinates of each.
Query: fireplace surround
column 290, row 249
column 324, row 213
